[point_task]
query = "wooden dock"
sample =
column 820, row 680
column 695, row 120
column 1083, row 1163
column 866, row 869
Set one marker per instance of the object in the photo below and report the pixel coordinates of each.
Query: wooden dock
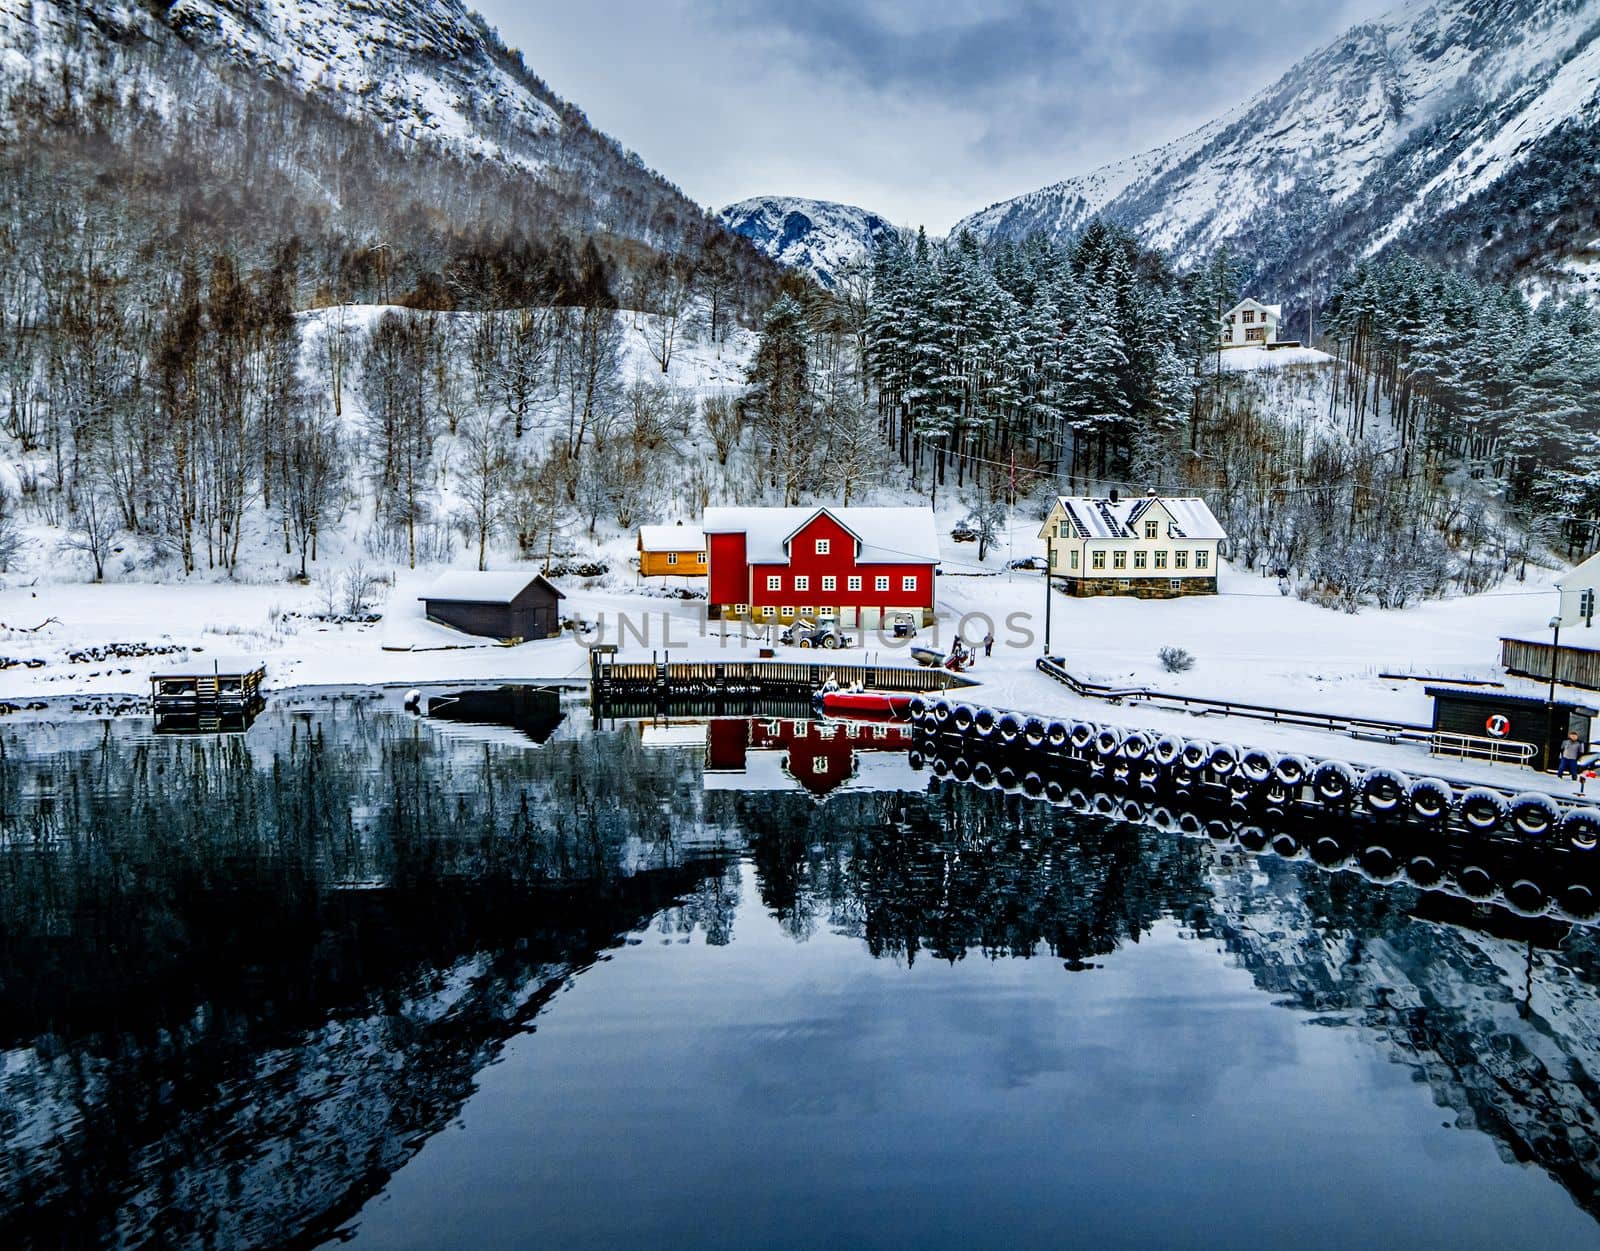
column 662, row 680
column 212, row 685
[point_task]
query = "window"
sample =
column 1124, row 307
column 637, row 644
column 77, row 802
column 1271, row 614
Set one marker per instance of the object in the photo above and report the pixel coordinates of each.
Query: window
column 854, row 583
column 1062, row 532
column 767, row 612
column 808, row 610
column 1119, row 560
column 1152, row 529
column 881, row 582
column 740, row 610
column 819, row 764
column 1098, row 560
column 1055, row 557
column 786, row 611
column 1074, row 558
column 1256, row 334
column 672, row 558
column 1123, row 583
column 830, row 583
column 1141, row 559
column 1161, row 560
column 1175, row 584
column 1202, row 560
column 1180, row 560
column 827, row 614
column 1249, row 315
column 802, row 583
column 823, row 545
column 774, row 583
column 700, row 558
column 909, row 582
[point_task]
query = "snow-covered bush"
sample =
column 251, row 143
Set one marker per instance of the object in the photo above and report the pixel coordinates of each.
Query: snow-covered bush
column 1175, row 659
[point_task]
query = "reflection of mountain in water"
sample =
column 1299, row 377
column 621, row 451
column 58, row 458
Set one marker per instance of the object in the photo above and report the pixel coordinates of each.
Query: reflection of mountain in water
column 241, row 981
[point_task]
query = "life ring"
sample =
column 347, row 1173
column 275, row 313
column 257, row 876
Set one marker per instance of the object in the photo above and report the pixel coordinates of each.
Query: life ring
column 1033, row 732
column 1385, row 790
column 1482, row 809
column 1167, row 750
column 1498, row 725
column 983, row 722
column 1534, row 814
column 1334, row 781
column 1581, row 828
column 1430, row 799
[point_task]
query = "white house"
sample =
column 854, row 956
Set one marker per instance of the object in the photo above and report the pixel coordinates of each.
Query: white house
column 1580, row 589
column 1152, row 546
column 1250, row 323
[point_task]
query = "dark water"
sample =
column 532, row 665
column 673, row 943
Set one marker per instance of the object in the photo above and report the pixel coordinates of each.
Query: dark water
column 427, row 984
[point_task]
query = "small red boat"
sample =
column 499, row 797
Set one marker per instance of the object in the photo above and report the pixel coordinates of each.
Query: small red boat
column 881, row 705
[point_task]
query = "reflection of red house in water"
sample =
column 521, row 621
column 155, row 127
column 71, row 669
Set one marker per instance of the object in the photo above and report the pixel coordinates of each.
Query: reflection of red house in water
column 819, row 755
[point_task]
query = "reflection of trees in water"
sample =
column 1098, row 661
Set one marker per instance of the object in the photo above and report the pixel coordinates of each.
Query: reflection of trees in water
column 962, row 870
column 250, row 976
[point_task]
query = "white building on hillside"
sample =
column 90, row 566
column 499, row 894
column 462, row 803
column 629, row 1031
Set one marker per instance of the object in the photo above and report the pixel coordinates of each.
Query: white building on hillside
column 1250, row 323
column 1153, row 546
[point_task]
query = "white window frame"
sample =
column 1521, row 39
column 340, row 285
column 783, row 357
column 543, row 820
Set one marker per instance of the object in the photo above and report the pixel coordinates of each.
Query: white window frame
column 802, row 582
column 672, row 558
column 739, row 610
column 854, row 582
column 829, row 582
column 1074, row 558
column 908, row 582
column 1140, row 560
column 1202, row 560
column 774, row 582
column 1097, row 558
column 768, row 612
column 1180, row 560
column 1152, row 529
column 700, row 558
column 786, row 611
column 880, row 582
column 827, row 614
column 824, row 546
column 819, row 764
column 1161, row 558
column 1119, row 559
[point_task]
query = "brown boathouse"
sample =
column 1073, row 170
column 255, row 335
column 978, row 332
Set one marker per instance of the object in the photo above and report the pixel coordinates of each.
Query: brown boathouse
column 495, row 605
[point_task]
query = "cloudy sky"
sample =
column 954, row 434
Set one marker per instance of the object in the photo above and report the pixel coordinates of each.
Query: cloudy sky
column 923, row 110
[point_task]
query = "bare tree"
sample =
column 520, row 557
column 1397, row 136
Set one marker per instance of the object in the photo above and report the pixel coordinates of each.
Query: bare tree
column 312, row 469
column 94, row 526
column 721, row 416
column 485, row 472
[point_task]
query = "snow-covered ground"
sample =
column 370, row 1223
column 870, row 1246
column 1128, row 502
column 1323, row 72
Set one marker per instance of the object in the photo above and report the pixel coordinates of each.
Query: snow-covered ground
column 1247, row 359
column 1250, row 644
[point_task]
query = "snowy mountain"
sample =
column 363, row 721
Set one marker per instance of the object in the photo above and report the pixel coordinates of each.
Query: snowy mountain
column 1465, row 130
column 817, row 237
column 405, row 121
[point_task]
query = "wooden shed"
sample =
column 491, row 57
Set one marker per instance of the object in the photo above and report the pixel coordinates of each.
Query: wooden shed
column 672, row 551
column 1485, row 713
column 498, row 605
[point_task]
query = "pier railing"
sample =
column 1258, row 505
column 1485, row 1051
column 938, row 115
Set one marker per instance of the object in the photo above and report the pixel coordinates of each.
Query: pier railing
column 709, row 679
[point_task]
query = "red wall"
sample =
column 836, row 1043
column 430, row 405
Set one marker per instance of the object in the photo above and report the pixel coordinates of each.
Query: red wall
column 727, row 576
column 840, row 562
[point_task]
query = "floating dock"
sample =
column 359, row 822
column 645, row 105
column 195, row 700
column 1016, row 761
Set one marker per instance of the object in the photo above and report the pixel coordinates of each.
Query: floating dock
column 210, row 685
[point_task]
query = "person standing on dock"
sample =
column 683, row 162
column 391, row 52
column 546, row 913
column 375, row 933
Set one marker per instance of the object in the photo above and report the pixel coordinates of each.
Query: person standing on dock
column 1568, row 761
column 988, row 644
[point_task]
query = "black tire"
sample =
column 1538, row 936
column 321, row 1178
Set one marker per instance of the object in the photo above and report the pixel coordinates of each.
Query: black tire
column 1430, row 799
column 1482, row 809
column 1335, row 783
column 1581, row 828
column 1534, row 814
column 1384, row 791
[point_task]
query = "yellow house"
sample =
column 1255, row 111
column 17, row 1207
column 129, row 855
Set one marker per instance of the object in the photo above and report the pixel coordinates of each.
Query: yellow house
column 672, row 551
column 1154, row 546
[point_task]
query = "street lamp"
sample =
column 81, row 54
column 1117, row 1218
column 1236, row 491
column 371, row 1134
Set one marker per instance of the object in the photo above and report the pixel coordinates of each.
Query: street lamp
column 1555, row 653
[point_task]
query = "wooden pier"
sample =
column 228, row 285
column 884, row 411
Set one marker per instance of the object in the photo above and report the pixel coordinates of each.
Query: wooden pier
column 661, row 680
column 208, row 685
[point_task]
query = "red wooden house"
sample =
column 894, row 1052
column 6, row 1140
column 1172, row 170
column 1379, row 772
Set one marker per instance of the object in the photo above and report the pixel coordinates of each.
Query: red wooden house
column 820, row 756
column 861, row 567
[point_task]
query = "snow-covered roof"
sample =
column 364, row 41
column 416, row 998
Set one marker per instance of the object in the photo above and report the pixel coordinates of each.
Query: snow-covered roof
column 468, row 586
column 204, row 665
column 1248, row 302
column 1582, row 576
column 678, row 538
column 887, row 535
column 1093, row 518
